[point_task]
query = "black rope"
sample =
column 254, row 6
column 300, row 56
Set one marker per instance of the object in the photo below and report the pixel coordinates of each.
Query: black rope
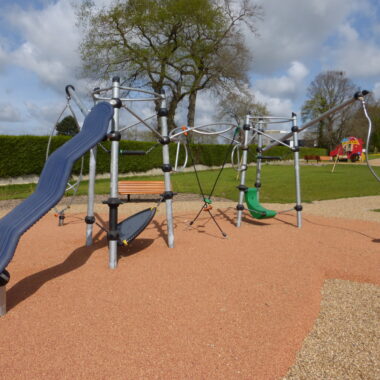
column 207, row 201
column 213, row 218
column 199, row 213
column 195, row 169
column 224, row 163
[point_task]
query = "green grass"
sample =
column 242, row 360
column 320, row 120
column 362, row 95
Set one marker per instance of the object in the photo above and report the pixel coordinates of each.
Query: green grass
column 278, row 185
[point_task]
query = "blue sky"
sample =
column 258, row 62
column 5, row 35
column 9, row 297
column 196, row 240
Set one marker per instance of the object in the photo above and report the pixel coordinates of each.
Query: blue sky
column 297, row 40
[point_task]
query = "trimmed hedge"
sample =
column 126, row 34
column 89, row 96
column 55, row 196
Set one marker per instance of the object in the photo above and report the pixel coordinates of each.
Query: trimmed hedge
column 25, row 155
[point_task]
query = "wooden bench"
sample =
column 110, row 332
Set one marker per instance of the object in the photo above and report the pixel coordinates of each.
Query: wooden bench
column 312, row 158
column 140, row 187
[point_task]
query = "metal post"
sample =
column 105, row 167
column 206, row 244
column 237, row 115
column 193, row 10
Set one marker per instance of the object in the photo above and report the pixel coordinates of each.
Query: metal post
column 70, row 91
column 259, row 161
column 166, row 168
column 243, row 168
column 298, row 206
column 3, row 300
column 4, row 279
column 113, row 201
column 90, row 218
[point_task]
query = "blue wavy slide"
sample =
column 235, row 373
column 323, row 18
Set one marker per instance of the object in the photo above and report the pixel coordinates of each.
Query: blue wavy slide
column 53, row 180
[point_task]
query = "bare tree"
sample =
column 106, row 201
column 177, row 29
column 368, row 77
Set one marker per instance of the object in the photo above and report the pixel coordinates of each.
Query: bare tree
column 236, row 104
column 358, row 125
column 327, row 90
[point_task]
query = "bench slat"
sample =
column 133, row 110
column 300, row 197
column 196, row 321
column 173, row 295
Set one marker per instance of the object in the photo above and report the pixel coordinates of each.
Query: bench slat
column 141, row 187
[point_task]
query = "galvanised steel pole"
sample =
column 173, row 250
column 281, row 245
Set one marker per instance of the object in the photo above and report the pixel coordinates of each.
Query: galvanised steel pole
column 4, row 279
column 114, row 201
column 90, row 217
column 70, row 92
column 3, row 301
column 166, row 167
column 243, row 168
column 296, row 150
column 259, row 161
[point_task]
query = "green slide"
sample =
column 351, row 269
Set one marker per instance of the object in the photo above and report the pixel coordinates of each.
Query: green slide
column 254, row 207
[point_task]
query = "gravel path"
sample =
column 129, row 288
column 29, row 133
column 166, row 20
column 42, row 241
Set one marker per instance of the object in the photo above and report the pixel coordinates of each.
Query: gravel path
column 345, row 340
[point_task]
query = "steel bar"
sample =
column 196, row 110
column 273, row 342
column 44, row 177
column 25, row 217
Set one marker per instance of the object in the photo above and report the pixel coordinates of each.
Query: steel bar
column 314, row 121
column 3, row 301
column 121, row 130
column 259, row 161
column 142, row 121
column 297, row 171
column 243, row 169
column 114, row 170
column 70, row 91
column 166, row 162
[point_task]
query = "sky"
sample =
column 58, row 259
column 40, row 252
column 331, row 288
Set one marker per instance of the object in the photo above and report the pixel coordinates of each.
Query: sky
column 296, row 40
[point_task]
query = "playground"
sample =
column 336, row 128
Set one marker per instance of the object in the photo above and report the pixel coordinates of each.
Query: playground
column 204, row 287
column 208, row 308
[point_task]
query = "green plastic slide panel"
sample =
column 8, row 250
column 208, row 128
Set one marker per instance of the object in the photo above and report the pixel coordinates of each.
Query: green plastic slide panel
column 254, row 207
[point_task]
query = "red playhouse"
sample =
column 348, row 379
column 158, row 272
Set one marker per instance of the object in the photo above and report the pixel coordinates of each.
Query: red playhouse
column 350, row 148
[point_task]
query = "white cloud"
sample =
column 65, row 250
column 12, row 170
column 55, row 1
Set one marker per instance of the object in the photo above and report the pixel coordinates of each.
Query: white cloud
column 9, row 113
column 3, row 56
column 50, row 42
column 276, row 106
column 294, row 30
column 46, row 115
column 376, row 90
column 357, row 56
column 285, row 85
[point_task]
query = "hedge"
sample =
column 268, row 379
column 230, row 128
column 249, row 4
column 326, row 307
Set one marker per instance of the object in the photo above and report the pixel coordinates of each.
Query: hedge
column 25, row 155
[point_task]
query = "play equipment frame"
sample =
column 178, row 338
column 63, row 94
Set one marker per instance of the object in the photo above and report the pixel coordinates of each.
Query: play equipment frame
column 261, row 122
column 114, row 136
column 295, row 130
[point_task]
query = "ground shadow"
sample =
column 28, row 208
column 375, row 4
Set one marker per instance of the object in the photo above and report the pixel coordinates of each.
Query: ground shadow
column 30, row 285
column 245, row 219
column 200, row 225
column 375, row 240
column 162, row 232
column 135, row 247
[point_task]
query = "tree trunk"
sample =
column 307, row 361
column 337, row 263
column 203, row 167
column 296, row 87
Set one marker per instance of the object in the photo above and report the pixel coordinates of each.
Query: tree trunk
column 191, row 109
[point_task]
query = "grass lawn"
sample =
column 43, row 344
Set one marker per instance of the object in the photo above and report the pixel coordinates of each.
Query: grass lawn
column 278, row 185
column 373, row 156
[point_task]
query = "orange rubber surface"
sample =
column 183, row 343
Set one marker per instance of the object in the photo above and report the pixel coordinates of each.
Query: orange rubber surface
column 210, row 308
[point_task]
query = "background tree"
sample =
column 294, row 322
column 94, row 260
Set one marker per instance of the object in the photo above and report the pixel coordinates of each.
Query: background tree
column 236, row 104
column 328, row 90
column 181, row 45
column 358, row 125
column 67, row 127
